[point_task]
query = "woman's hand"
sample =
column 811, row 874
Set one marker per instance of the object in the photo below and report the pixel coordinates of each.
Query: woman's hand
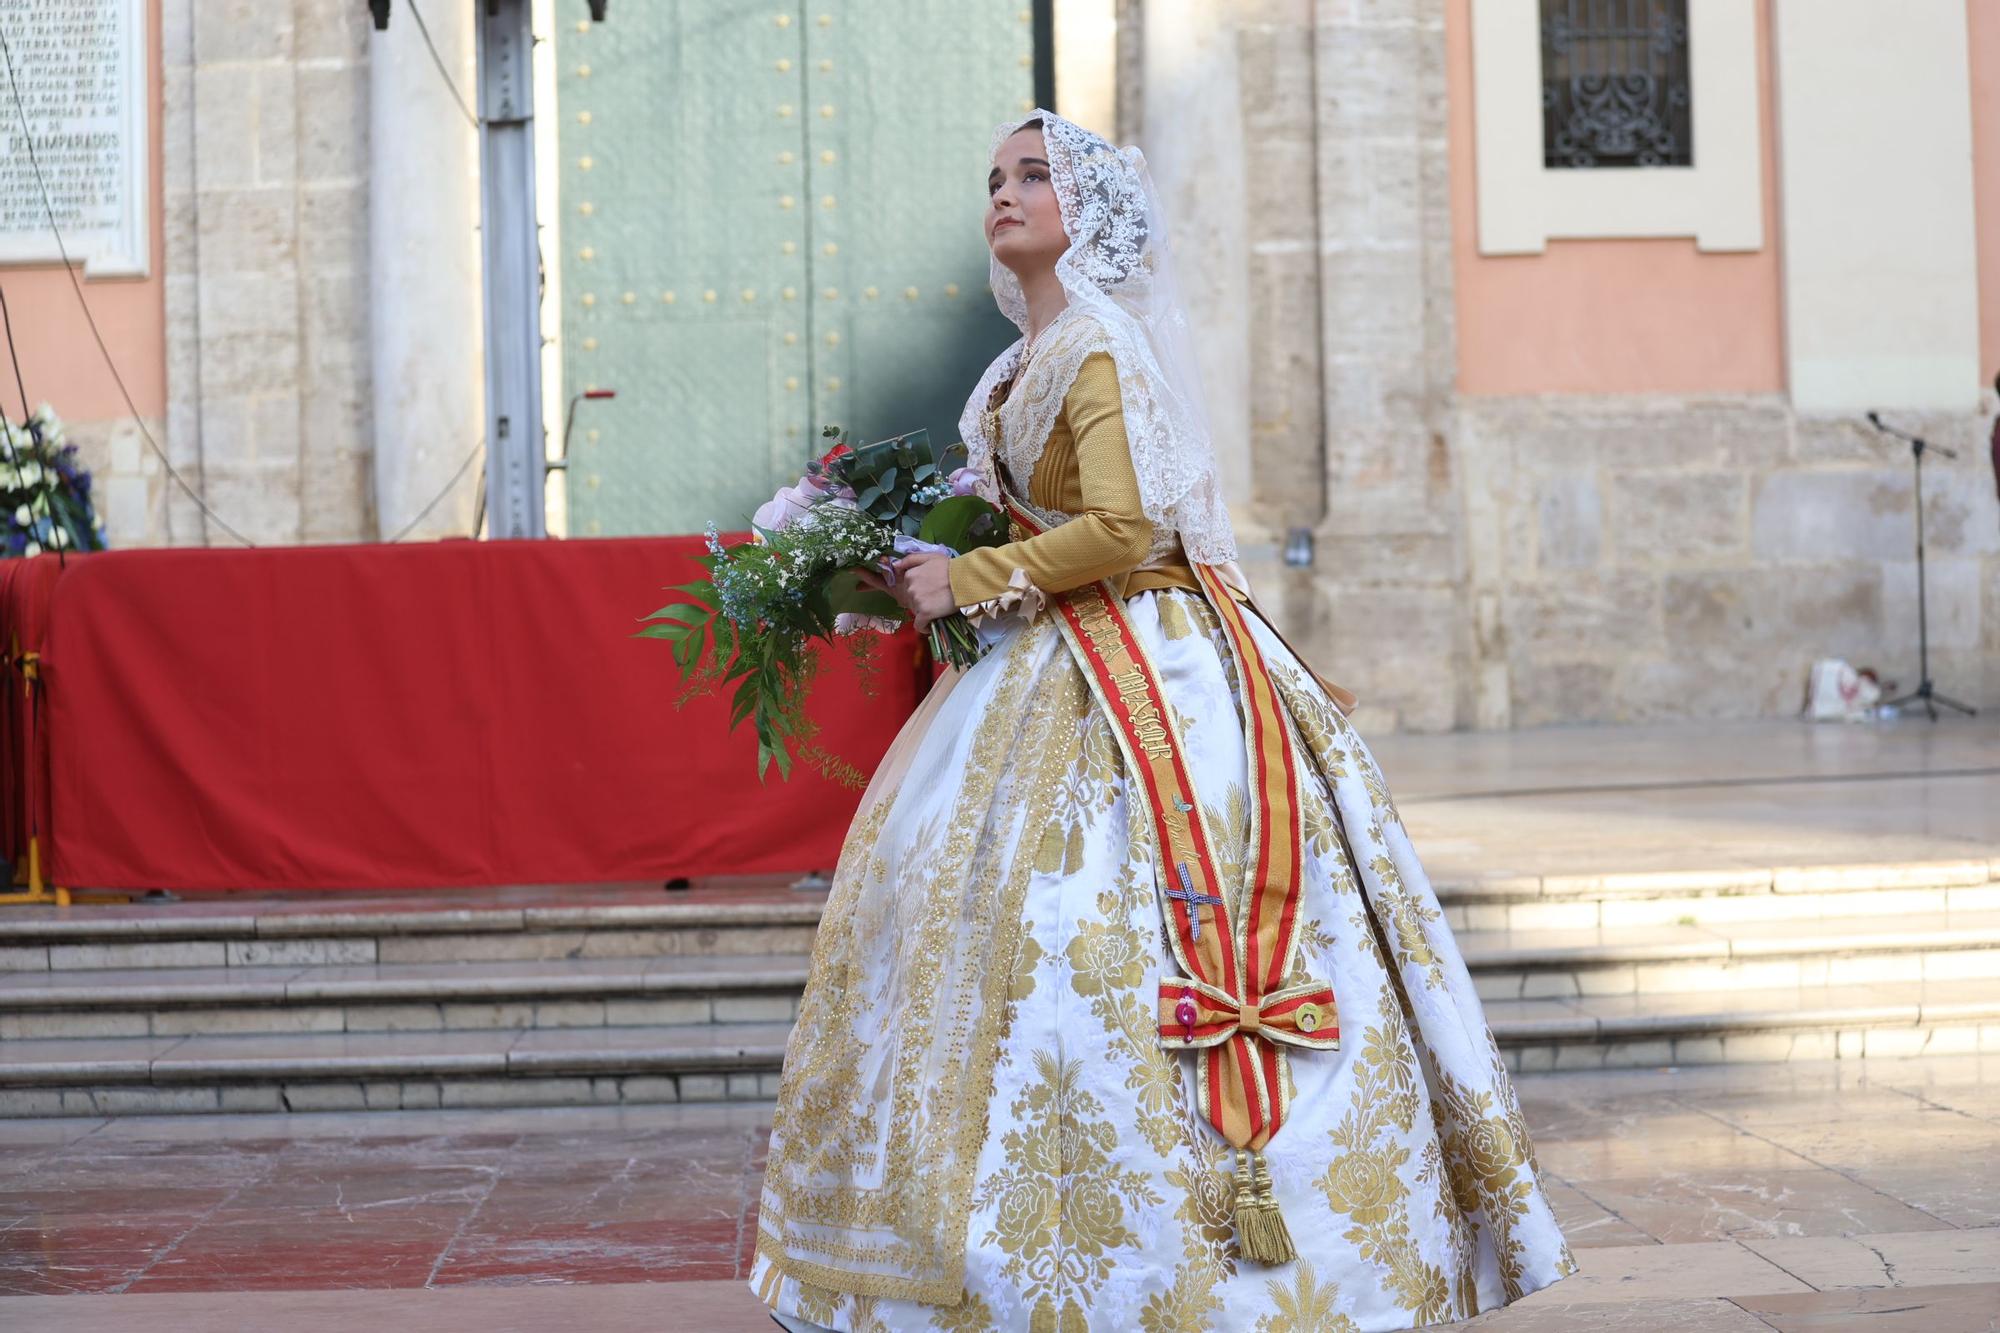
column 922, row 586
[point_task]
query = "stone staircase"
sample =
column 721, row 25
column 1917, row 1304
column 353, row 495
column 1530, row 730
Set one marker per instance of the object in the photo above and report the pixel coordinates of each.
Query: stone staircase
column 384, row 1004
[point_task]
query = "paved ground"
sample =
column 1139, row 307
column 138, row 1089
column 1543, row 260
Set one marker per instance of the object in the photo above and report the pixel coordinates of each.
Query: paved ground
column 1859, row 1195
column 1583, row 800
column 1852, row 1195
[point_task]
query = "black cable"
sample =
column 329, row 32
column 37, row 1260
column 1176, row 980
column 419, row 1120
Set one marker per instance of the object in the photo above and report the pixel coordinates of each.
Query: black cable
column 438, row 60
column 436, row 499
column 27, row 414
column 19, row 383
column 76, row 283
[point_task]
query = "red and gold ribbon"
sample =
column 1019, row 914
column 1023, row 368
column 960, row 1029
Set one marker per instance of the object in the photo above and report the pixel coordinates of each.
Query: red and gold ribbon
column 1240, row 1005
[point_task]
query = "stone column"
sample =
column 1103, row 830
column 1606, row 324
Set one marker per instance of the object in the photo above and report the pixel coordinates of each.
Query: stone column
column 423, row 279
column 1391, row 621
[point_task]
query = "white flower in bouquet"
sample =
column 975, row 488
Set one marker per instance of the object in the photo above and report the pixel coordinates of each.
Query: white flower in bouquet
column 51, row 424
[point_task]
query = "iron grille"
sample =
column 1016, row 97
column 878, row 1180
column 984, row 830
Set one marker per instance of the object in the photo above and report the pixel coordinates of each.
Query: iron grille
column 1615, row 84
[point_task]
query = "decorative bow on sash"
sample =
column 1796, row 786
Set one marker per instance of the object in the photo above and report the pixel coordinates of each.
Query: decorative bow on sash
column 1194, row 1015
column 1240, row 1005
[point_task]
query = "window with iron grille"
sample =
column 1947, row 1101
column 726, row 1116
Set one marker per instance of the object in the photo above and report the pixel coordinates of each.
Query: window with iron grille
column 1615, row 84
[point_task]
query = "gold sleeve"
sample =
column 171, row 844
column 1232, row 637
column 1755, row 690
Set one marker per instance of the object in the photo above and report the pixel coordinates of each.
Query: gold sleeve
column 1110, row 533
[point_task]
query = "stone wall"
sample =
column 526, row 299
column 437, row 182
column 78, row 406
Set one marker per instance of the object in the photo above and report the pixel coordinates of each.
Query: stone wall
column 1518, row 561
column 266, row 196
column 1664, row 558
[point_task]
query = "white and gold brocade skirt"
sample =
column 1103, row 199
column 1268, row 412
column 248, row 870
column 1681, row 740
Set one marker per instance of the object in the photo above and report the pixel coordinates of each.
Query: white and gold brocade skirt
column 974, row 1098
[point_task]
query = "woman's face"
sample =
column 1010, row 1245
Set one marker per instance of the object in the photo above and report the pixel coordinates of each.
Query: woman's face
column 1023, row 225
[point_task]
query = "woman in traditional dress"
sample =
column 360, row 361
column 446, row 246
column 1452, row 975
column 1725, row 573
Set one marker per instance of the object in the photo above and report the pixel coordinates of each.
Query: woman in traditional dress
column 1131, row 1008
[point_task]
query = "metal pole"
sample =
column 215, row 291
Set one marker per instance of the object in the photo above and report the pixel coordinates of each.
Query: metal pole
column 515, row 450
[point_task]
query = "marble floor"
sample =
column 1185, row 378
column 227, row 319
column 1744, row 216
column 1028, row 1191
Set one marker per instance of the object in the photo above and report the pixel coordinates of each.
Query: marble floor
column 1852, row 1195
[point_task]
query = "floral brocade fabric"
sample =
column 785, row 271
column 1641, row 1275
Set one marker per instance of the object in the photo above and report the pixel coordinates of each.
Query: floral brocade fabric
column 1090, row 1195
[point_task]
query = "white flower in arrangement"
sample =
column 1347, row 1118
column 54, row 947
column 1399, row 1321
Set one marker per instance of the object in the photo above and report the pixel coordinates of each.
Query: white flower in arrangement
column 22, row 516
column 34, row 548
column 62, row 536
column 29, row 473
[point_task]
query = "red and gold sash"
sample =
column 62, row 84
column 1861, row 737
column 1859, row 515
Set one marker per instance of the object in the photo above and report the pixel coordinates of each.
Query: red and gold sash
column 1239, row 1005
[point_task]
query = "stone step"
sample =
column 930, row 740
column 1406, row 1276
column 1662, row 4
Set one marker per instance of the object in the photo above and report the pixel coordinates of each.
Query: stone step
column 391, row 1070
column 1895, row 1021
column 185, row 935
column 1721, row 896
column 308, row 931
column 613, row 1065
column 1750, row 955
column 675, row 990
column 402, row 997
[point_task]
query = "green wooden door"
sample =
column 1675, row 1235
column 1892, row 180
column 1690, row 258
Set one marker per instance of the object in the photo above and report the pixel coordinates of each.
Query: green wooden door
column 771, row 223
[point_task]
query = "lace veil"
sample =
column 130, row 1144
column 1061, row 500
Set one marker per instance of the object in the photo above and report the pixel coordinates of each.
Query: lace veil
column 1119, row 271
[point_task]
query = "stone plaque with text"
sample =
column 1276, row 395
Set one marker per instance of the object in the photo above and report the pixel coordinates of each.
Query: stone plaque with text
column 79, row 71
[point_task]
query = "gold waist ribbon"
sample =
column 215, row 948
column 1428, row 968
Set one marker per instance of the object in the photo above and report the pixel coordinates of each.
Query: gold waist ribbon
column 1239, row 1005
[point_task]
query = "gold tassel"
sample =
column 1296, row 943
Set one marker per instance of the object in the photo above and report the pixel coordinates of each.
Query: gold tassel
column 1261, row 1235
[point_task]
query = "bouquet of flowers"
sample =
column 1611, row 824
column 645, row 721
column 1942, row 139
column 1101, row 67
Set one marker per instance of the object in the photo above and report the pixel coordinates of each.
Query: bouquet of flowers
column 44, row 494
column 752, row 622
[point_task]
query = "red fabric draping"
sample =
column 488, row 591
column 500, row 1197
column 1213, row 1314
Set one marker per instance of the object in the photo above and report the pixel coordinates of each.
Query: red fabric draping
column 25, row 588
column 374, row 716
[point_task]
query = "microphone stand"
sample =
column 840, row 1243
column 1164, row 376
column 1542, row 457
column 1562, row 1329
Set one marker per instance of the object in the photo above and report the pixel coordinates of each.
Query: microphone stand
column 1924, row 691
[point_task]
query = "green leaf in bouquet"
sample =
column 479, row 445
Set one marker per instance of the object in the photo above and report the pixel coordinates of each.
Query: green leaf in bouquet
column 888, row 482
column 685, row 612
column 744, row 700
column 664, row 630
column 688, row 650
column 923, row 472
column 703, row 592
column 866, row 499
column 846, row 593
column 950, row 522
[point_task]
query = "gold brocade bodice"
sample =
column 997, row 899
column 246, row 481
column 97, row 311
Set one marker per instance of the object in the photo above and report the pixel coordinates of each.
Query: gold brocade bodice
column 1084, row 481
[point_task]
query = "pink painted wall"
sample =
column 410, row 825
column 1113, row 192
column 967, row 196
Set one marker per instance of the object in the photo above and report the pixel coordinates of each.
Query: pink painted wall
column 1611, row 316
column 1983, row 16
column 59, row 361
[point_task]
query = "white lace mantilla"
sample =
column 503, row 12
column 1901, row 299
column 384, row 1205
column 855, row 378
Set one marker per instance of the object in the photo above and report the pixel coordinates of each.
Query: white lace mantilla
column 1118, row 276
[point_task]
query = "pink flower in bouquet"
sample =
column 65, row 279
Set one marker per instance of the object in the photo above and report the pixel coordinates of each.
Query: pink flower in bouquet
column 965, row 482
column 791, row 502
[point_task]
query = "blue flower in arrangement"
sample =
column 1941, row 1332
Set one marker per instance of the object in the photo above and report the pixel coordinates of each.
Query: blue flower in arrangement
column 45, row 490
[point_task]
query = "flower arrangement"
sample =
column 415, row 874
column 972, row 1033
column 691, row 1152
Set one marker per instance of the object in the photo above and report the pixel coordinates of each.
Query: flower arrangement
column 44, row 493
column 751, row 624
